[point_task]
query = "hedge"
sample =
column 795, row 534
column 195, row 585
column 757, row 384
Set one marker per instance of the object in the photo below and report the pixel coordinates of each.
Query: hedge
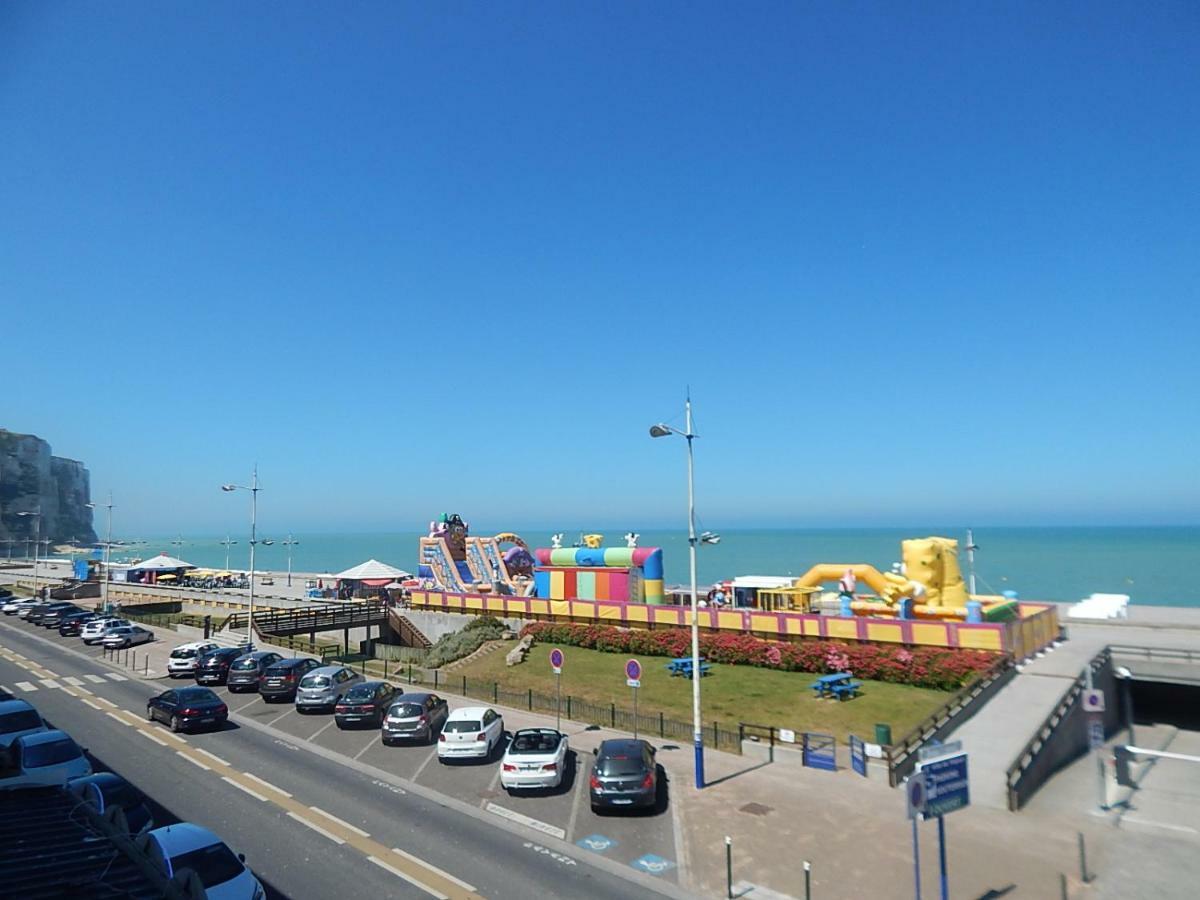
column 450, row 647
column 929, row 667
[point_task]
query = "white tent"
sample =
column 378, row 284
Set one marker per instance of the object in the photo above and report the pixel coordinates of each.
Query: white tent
column 373, row 569
column 161, row 563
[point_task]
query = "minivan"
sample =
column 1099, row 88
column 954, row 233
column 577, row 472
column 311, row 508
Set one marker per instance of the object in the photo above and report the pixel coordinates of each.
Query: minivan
column 282, row 679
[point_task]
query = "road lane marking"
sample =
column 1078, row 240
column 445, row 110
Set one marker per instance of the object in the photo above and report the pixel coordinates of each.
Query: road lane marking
column 241, row 787
column 193, row 760
column 315, row 827
column 212, row 756
column 420, row 862
column 26, row 686
column 115, row 677
column 113, row 715
column 94, row 679
column 342, row 822
column 148, row 736
column 106, row 702
column 426, row 888
column 48, row 672
column 520, row 819
column 266, row 784
column 1187, row 829
column 91, row 704
column 72, row 680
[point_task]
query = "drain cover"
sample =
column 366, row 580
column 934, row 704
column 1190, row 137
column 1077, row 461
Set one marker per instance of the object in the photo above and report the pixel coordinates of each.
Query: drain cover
column 756, row 809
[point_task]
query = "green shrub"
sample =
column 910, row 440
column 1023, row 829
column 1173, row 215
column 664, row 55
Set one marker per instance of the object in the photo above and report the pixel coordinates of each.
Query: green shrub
column 450, row 647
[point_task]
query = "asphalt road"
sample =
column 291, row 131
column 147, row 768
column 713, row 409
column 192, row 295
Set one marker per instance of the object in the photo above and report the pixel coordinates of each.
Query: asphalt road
column 312, row 824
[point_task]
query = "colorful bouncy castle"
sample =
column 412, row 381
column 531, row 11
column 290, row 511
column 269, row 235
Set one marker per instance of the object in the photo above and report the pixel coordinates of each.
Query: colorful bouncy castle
column 624, row 574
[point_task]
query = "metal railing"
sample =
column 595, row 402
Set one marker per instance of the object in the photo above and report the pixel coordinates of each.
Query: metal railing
column 1150, row 654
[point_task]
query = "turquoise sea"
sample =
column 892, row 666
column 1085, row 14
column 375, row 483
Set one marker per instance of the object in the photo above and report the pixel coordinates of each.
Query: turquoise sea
column 1154, row 565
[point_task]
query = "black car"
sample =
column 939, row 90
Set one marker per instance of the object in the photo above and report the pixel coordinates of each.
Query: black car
column 52, row 617
column 364, row 703
column 37, row 612
column 186, row 708
column 280, row 681
column 624, row 774
column 246, row 671
column 105, row 789
column 213, row 666
column 414, row 717
column 72, row 624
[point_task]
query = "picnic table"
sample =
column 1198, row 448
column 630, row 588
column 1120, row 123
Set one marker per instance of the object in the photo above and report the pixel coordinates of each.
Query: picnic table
column 839, row 685
column 683, row 666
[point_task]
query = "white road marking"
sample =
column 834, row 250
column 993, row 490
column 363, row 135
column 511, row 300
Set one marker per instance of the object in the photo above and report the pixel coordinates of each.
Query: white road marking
column 278, row 717
column 1184, row 828
column 426, row 888
column 48, row 672
column 107, row 702
column 212, row 756
column 91, row 704
column 49, row 682
column 113, row 715
column 266, row 784
column 428, row 760
column 72, row 680
column 115, row 677
column 342, row 822
column 26, row 686
column 320, row 731
column 246, row 704
column 431, row 867
column 535, row 824
column 370, row 744
column 317, row 828
column 241, row 787
column 94, row 679
column 193, row 761
column 148, row 736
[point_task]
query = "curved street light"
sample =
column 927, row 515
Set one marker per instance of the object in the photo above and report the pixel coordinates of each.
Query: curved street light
column 37, row 540
column 253, row 489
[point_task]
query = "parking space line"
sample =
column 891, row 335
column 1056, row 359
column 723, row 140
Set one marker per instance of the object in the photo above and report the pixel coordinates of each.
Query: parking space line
column 315, row 827
column 26, row 686
column 370, row 744
column 320, row 731
column 241, row 787
column 212, row 756
column 426, row 888
column 420, row 862
column 246, row 704
column 577, row 800
column 266, row 784
column 342, row 822
column 280, row 716
column 428, row 760
column 148, row 736
column 94, row 679
column 193, row 760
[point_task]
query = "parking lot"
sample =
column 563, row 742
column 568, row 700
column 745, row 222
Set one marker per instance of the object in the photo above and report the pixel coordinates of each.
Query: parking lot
column 645, row 841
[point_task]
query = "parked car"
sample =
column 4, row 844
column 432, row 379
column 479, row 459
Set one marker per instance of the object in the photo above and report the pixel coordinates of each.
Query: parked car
column 323, row 687
column 54, row 615
column 624, row 774
column 223, row 874
column 282, row 679
column 5, row 594
column 72, row 625
column 39, row 613
column 186, row 708
column 43, row 759
column 247, row 670
column 32, row 610
column 472, row 732
column 363, row 704
column 106, row 789
column 414, row 717
column 212, row 666
column 126, row 636
column 93, row 632
column 18, row 718
column 13, row 605
column 182, row 661
column 535, row 758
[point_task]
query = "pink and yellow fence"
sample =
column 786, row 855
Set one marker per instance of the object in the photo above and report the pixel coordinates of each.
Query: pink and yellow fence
column 1037, row 626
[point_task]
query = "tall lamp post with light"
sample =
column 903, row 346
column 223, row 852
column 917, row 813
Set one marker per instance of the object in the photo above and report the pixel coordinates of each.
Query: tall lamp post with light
column 663, row 430
column 37, row 540
column 253, row 489
column 107, row 550
column 227, row 543
column 290, row 543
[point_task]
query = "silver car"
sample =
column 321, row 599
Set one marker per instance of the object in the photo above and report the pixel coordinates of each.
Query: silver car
column 322, row 688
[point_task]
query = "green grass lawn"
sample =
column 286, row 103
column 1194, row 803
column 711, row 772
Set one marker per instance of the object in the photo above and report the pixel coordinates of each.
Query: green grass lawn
column 730, row 694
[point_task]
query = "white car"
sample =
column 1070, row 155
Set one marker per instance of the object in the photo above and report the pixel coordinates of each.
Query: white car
column 14, row 605
column 473, row 732
column 45, row 759
column 535, row 758
column 184, row 657
column 93, row 632
column 223, row 874
column 126, row 636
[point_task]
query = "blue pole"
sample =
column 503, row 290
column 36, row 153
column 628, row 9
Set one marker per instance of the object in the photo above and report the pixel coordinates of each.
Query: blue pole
column 916, row 858
column 942, row 857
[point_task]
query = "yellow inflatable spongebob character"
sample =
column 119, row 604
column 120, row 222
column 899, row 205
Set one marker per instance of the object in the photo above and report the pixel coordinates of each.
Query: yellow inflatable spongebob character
column 933, row 562
column 593, row 541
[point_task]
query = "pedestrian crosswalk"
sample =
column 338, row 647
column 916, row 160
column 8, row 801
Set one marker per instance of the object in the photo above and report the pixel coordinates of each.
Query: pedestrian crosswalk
column 73, row 681
column 115, row 677
column 94, row 679
column 26, row 686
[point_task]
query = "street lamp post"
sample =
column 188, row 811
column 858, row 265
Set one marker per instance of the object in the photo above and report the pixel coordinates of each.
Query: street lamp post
column 290, row 543
column 37, row 540
column 657, row 431
column 253, row 489
column 107, row 549
column 227, row 544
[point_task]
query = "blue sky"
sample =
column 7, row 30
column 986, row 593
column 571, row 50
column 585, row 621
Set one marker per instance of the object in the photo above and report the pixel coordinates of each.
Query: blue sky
column 933, row 264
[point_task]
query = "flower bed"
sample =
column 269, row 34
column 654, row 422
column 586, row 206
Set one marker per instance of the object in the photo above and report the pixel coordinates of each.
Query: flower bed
column 929, row 667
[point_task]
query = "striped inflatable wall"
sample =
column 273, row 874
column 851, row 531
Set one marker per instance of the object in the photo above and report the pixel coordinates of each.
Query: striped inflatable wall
column 593, row 574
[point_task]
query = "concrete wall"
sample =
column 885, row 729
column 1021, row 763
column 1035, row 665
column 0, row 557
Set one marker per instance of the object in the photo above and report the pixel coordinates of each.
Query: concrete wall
column 438, row 624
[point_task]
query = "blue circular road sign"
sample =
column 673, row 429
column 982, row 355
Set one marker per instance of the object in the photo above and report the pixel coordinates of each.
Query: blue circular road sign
column 556, row 658
column 633, row 670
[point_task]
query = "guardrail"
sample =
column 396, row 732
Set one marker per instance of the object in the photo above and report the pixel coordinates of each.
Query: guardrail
column 966, row 701
column 1033, row 751
column 1171, row 654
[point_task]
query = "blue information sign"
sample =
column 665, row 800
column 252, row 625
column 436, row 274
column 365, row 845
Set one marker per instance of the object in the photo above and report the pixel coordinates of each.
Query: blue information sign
column 946, row 784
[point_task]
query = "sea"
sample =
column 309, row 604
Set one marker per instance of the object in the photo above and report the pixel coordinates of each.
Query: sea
column 1153, row 565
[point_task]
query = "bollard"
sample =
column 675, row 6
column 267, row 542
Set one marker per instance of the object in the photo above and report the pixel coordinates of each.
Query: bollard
column 728, row 867
column 464, row 686
column 134, row 664
column 1083, row 868
column 1062, row 886
column 807, row 880
column 495, row 692
column 568, row 706
column 410, row 673
column 531, row 699
column 146, row 670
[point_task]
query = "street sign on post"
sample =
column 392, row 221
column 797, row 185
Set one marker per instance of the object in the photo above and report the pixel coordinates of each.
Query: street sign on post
column 556, row 664
column 946, row 784
column 633, row 678
column 1095, row 732
column 556, row 661
column 1093, row 700
column 915, row 794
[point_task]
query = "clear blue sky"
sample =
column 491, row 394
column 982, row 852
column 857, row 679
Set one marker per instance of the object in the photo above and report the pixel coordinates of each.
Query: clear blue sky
column 936, row 264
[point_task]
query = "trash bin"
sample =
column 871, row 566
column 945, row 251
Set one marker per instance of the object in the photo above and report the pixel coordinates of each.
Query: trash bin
column 883, row 734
